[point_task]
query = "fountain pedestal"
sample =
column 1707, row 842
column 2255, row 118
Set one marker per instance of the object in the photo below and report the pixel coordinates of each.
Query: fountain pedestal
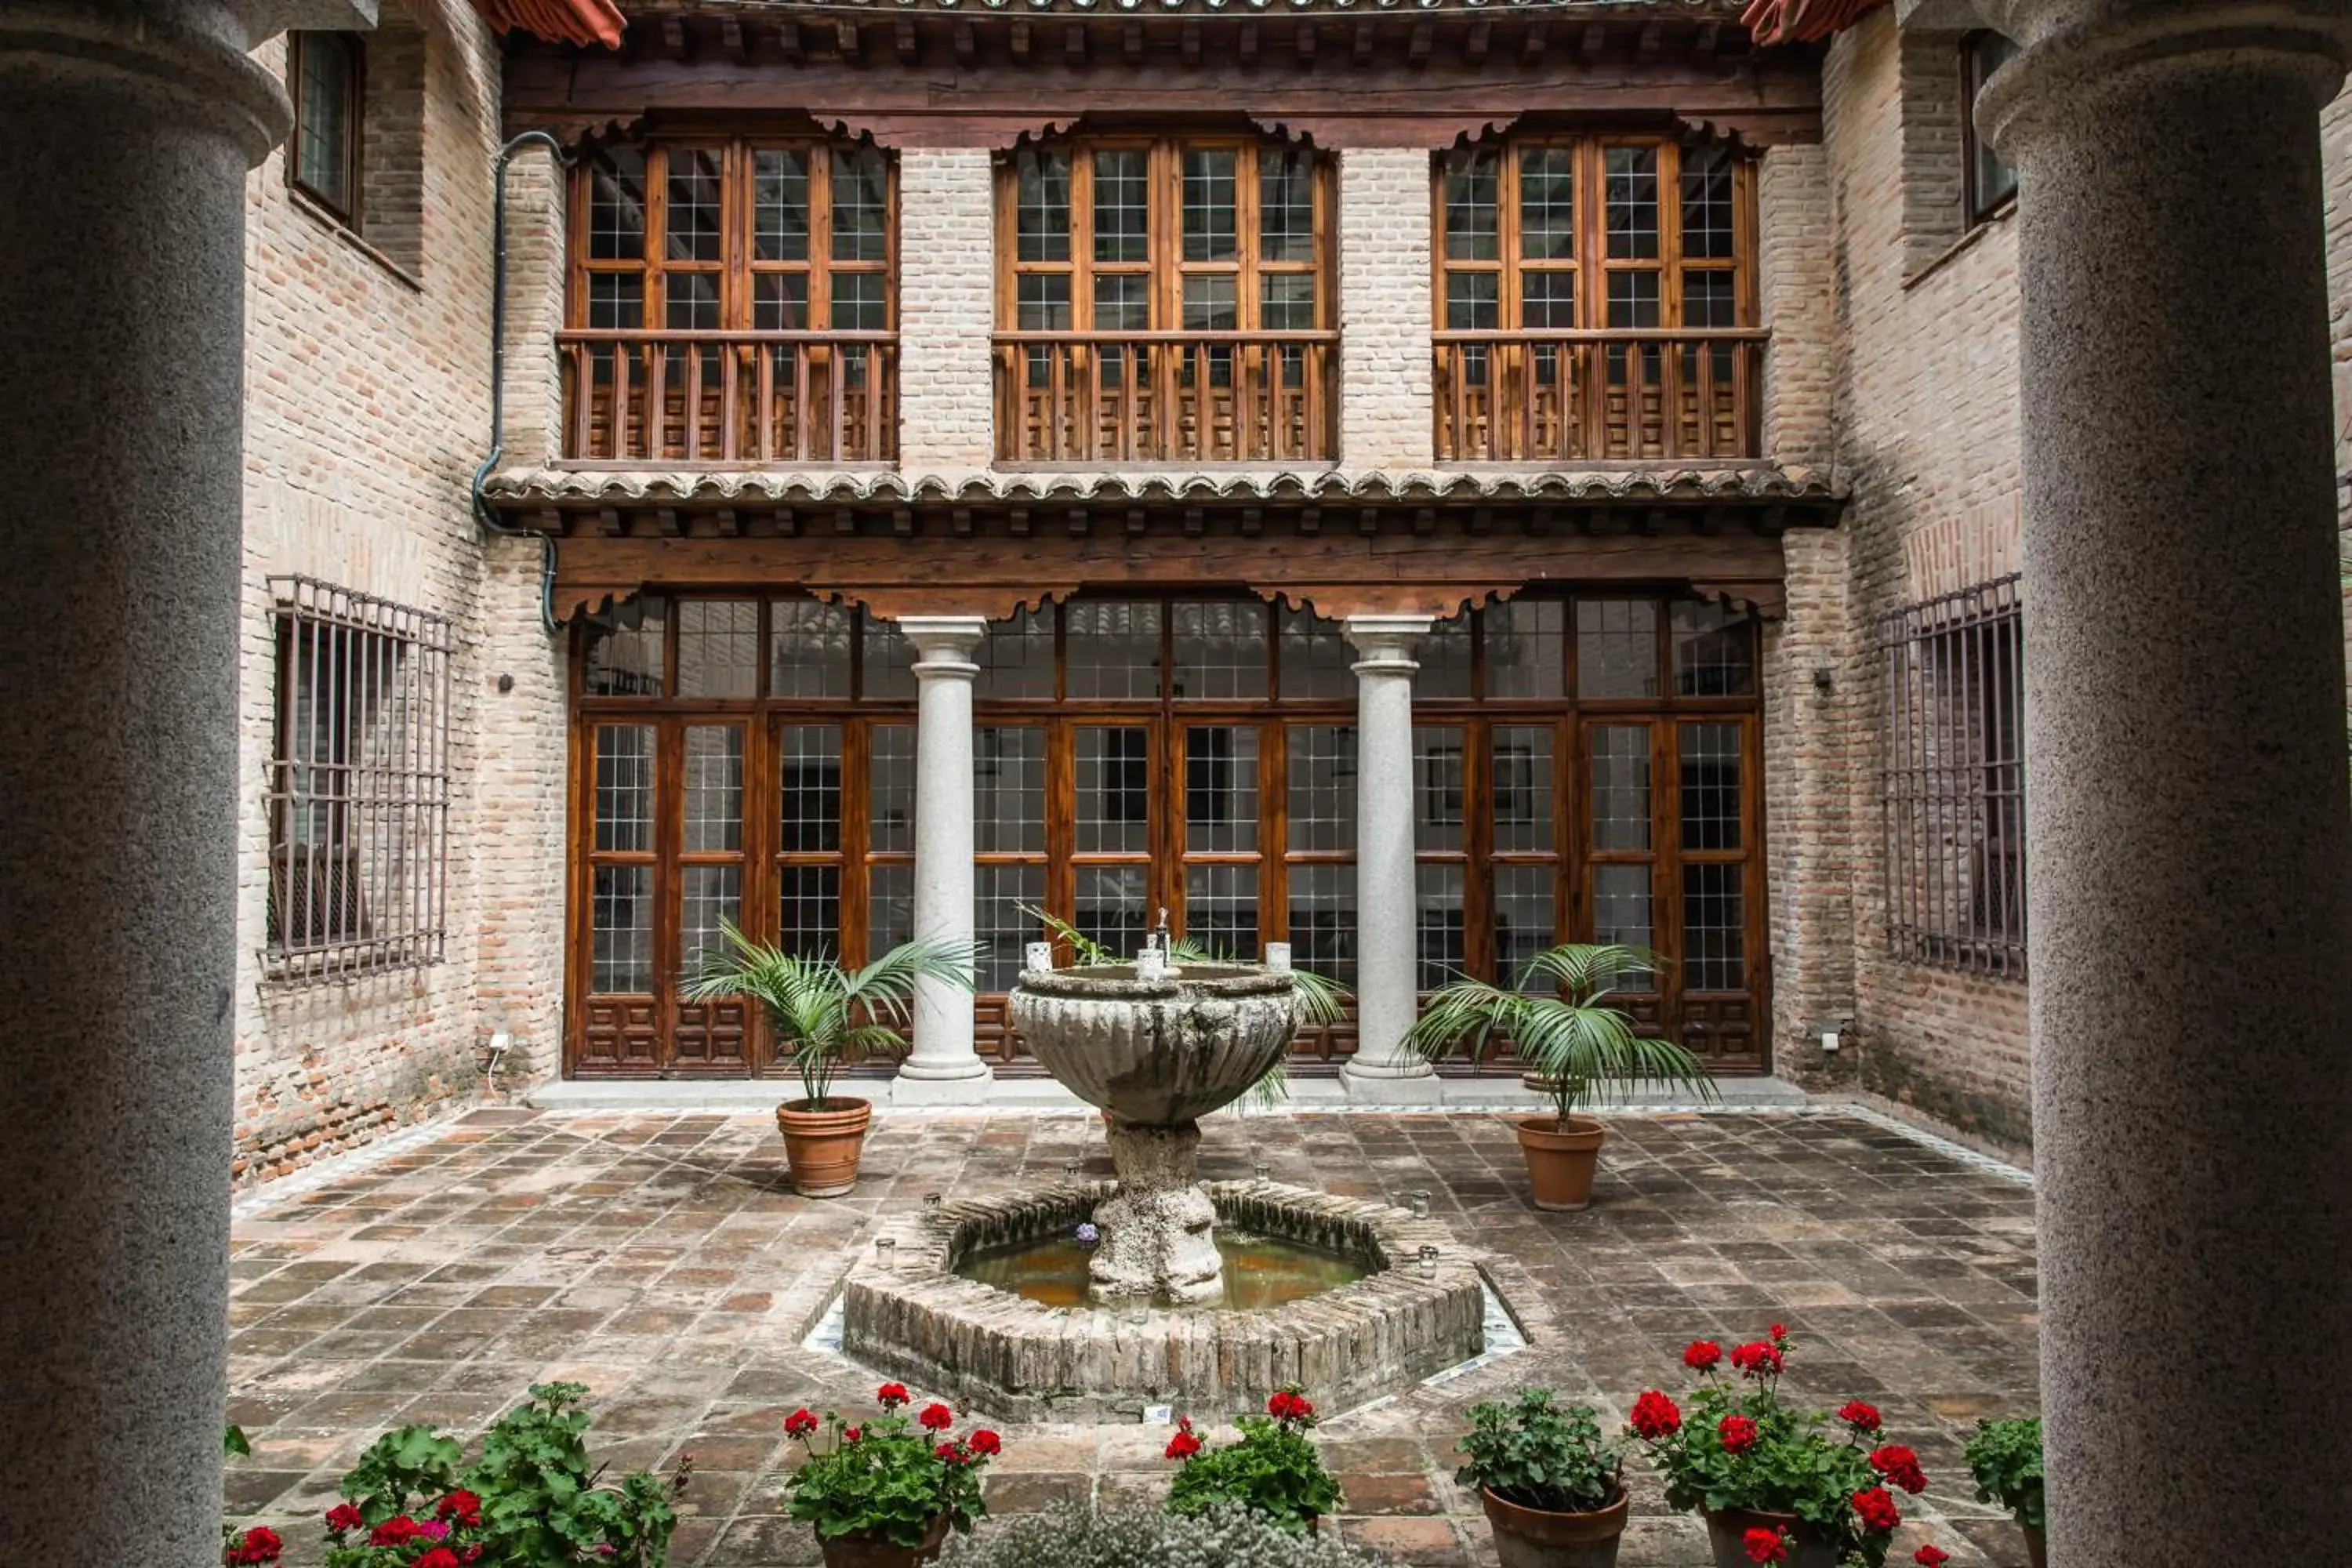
column 1158, row 1239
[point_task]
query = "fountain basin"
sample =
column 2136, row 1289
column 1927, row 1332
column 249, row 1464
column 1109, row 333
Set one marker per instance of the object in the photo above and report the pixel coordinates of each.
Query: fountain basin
column 917, row 1318
column 1159, row 1048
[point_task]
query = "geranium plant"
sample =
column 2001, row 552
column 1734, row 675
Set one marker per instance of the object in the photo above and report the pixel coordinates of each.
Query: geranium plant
column 1273, row 1470
column 1737, row 1447
column 2006, row 1457
column 1539, row 1456
column 890, row 1477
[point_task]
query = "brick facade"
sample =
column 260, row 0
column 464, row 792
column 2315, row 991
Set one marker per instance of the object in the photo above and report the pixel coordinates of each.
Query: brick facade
column 1385, row 308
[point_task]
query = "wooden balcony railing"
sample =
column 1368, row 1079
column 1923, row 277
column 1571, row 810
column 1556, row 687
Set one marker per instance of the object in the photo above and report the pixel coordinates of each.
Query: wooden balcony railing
column 1167, row 398
column 716, row 398
column 1581, row 397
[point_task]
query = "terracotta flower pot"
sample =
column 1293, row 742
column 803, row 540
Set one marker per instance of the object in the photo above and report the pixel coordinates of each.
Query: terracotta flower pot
column 1559, row 1164
column 1539, row 1538
column 2037, row 1546
column 1727, row 1536
column 822, row 1147
column 872, row 1549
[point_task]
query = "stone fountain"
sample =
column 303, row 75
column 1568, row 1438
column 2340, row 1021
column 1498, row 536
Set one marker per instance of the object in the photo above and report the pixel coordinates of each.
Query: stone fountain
column 1158, row 1047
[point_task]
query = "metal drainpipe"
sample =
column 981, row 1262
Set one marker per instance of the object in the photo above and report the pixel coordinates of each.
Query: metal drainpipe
column 483, row 514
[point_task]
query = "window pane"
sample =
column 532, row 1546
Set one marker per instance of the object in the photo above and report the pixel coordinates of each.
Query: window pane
column 624, row 786
column 1632, row 299
column 705, row 896
column 861, row 205
column 1111, row 906
column 617, row 205
column 621, row 930
column 780, row 304
column 714, row 787
column 1521, row 762
column 1113, row 803
column 1000, row 894
column 1445, row 657
column 1992, row 181
column 1210, row 304
column 328, row 65
column 1285, row 219
column 1621, row 786
column 1472, row 181
column 1473, row 301
column 1714, row 936
column 1016, row 657
column 718, row 647
column 1041, row 205
column 1122, row 204
column 890, row 797
column 1323, row 920
column 1707, row 202
column 1527, row 649
column 616, row 300
column 689, row 304
column 780, row 204
column 692, row 229
column 624, row 656
column 1220, row 789
column 1009, row 790
column 1440, row 931
column 861, row 301
column 808, row 648
column 1209, row 218
column 1122, row 302
column 808, row 783
column 889, row 908
column 885, row 662
column 1715, row 651
column 1322, row 788
column 808, row 910
column 1616, row 648
column 1548, row 299
column 1633, row 203
column 1114, row 648
column 1316, row 660
column 1219, row 649
column 1523, row 920
column 1042, row 302
column 1287, row 302
column 1710, row 786
column 1220, row 911
column 1547, row 203
column 1620, row 915
column 1711, row 299
column 1437, row 786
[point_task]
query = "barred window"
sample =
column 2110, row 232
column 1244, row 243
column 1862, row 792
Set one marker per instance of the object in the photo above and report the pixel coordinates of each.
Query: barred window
column 1954, row 781
column 358, row 785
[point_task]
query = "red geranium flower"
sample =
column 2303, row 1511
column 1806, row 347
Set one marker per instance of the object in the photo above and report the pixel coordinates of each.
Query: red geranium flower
column 799, row 1424
column 851, row 1434
column 259, row 1545
column 397, row 1530
column 1656, row 1416
column 1701, row 1356
column 1931, row 1556
column 1183, row 1445
column 985, row 1441
column 936, row 1418
column 1855, row 1413
column 892, row 1395
column 950, row 1453
column 439, row 1557
column 344, row 1516
column 1738, row 1433
column 1901, row 1466
column 1757, row 1360
column 462, row 1506
column 1876, row 1510
column 1780, row 1333
column 1765, row 1546
column 1286, row 1405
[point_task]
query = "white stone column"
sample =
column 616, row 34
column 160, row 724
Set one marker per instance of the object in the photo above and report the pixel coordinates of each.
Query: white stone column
column 943, row 1065
column 129, row 130
column 2188, row 830
column 1387, row 957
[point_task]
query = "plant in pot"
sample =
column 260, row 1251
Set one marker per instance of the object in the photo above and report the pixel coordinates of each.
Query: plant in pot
column 885, row 1493
column 1273, row 1470
column 2007, row 1458
column 819, row 1012
column 1777, row 1484
column 1578, row 1048
column 1554, row 1492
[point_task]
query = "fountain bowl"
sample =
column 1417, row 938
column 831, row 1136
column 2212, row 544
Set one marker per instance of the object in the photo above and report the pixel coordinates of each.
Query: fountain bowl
column 1160, row 1048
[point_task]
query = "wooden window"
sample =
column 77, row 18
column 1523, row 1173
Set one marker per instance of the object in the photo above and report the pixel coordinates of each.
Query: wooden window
column 1953, row 781
column 1164, row 300
column 1596, row 299
column 325, row 75
column 733, row 301
column 359, row 786
column 1991, row 184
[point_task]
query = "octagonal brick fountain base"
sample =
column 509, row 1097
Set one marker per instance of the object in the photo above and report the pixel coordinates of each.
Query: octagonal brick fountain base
column 919, row 1318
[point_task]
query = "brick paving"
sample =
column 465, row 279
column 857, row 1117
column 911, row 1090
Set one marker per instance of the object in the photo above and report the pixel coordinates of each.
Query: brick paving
column 663, row 1260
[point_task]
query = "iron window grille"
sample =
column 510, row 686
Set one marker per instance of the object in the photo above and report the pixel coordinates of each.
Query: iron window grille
column 1953, row 781
column 358, row 785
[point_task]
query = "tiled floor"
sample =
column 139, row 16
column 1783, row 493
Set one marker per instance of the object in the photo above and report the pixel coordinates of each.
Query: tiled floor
column 664, row 1261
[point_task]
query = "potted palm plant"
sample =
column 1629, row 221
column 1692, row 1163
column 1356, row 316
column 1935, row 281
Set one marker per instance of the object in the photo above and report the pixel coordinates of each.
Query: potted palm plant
column 1576, row 1046
column 821, row 1012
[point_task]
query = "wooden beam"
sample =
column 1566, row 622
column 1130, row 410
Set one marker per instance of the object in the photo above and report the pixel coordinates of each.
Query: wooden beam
column 960, row 522
column 1130, row 42
column 1364, row 39
column 1249, row 41
column 1417, row 50
column 674, row 42
column 1474, row 46
column 1596, row 38
column 1702, row 42
column 1136, row 521
column 738, row 47
column 902, row 522
column 1018, row 37
column 1531, row 48
column 967, row 46
column 788, row 42
column 1073, row 42
column 846, row 40
column 844, row 520
column 902, row 35
column 1651, row 34
column 1189, row 36
column 1304, row 47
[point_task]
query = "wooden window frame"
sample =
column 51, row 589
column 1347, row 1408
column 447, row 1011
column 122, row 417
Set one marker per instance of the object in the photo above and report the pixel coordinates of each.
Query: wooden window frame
column 1976, row 205
column 299, row 58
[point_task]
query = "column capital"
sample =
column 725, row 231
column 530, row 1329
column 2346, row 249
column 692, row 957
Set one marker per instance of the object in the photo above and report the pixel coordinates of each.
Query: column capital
column 1385, row 643
column 944, row 644
column 2074, row 54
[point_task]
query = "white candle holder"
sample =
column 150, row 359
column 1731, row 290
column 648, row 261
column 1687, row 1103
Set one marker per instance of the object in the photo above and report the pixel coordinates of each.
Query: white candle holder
column 1038, row 956
column 1277, row 957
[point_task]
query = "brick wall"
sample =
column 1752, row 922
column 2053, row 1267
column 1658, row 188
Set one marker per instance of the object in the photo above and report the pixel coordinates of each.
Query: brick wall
column 367, row 408
column 1385, row 309
column 947, row 308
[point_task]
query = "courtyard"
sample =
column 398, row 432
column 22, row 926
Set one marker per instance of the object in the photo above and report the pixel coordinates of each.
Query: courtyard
column 664, row 1260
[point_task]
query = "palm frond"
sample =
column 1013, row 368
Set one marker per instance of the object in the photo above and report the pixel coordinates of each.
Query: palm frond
column 1084, row 948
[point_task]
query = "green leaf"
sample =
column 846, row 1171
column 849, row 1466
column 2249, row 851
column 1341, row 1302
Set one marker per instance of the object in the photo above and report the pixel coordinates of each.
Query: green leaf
column 232, row 1441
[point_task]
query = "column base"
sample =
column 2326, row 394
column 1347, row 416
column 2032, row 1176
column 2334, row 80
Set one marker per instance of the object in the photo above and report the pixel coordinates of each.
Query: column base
column 1412, row 1083
column 962, row 1084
